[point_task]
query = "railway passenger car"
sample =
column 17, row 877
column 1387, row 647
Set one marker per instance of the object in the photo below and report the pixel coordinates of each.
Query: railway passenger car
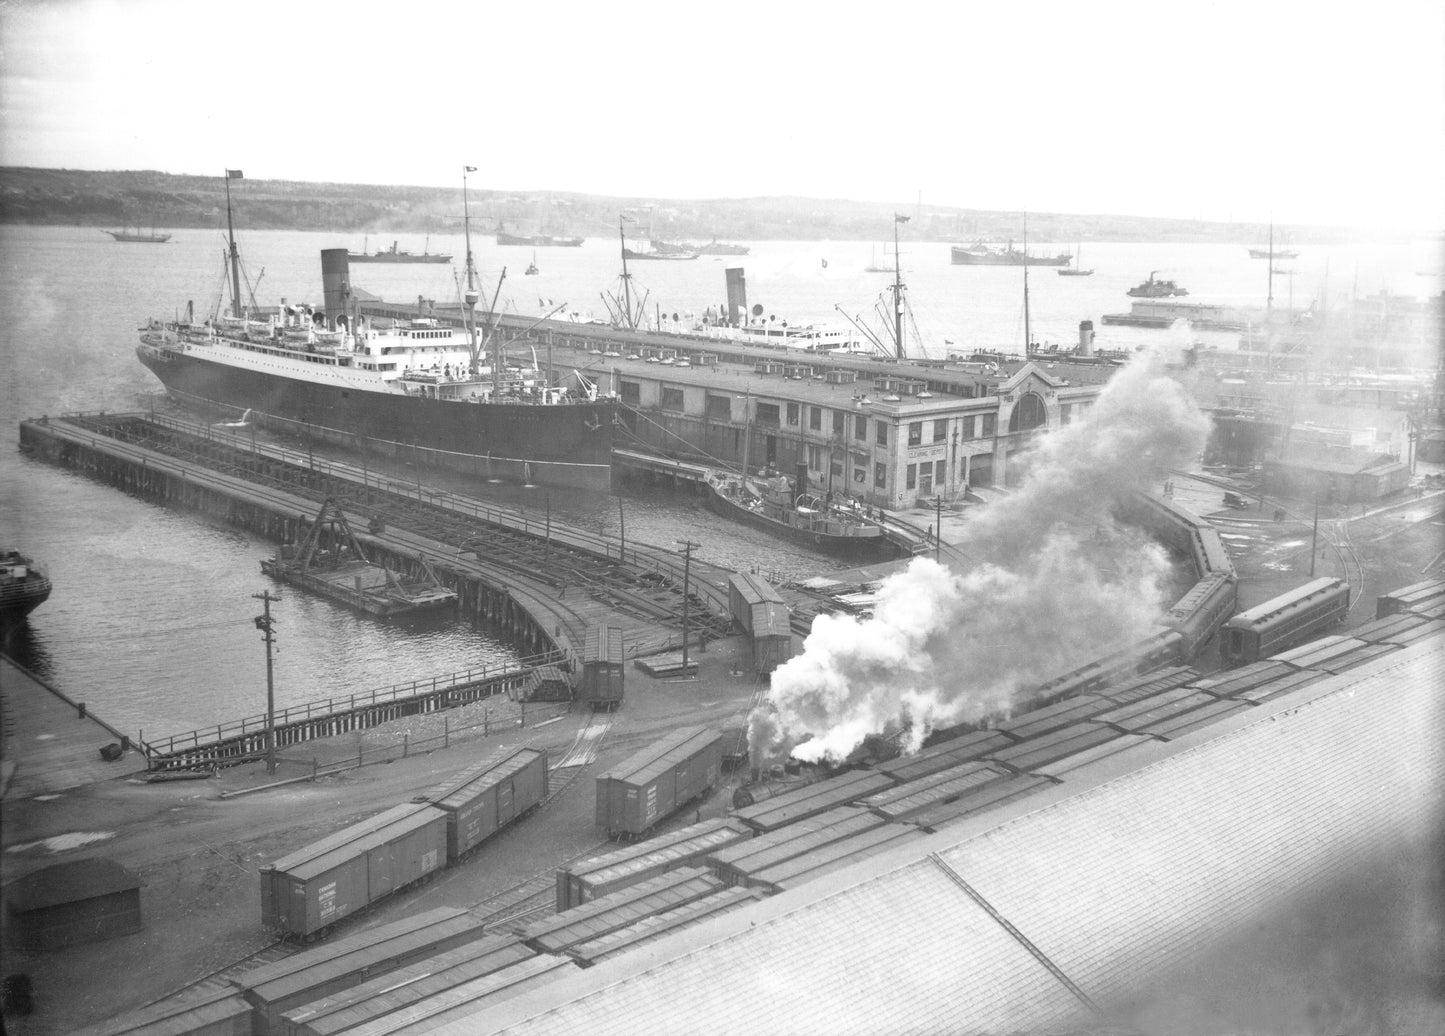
column 1284, row 621
column 1200, row 612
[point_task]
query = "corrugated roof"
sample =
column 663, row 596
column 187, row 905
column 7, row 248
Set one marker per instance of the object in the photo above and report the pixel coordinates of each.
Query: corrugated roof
column 1132, row 869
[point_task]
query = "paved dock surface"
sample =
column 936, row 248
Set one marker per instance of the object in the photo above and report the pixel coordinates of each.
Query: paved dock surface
column 46, row 745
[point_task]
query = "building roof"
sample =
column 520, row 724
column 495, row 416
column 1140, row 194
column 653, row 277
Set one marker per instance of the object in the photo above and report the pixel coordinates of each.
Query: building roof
column 1085, row 894
column 1334, row 460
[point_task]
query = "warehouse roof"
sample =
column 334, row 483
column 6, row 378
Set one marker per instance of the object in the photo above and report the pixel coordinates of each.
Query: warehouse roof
column 1077, row 896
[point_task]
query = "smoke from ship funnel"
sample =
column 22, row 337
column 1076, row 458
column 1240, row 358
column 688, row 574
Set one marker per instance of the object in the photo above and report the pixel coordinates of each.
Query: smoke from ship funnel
column 335, row 284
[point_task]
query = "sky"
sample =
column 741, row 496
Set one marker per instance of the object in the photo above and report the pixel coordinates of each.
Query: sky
column 1303, row 112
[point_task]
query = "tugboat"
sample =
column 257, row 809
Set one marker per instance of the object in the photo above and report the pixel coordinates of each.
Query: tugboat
column 1156, row 289
column 769, row 503
column 24, row 586
column 531, row 270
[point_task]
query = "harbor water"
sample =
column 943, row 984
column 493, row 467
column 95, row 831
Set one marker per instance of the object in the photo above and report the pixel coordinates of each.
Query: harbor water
column 150, row 622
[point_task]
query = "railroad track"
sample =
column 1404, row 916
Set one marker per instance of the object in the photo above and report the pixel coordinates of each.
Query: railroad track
column 530, row 553
column 1345, row 551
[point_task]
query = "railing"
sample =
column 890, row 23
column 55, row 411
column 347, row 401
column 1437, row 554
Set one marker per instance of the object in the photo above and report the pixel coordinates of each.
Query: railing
column 330, row 707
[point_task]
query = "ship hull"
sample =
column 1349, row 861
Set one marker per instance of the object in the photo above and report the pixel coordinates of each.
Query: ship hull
column 388, row 257
column 963, row 257
column 566, row 445
column 539, row 241
column 871, row 544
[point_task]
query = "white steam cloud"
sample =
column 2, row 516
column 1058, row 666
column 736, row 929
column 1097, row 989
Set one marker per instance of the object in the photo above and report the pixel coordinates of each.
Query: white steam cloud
column 1054, row 583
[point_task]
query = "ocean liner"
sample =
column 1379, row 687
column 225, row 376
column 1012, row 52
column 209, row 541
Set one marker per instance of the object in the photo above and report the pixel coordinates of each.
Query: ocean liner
column 416, row 389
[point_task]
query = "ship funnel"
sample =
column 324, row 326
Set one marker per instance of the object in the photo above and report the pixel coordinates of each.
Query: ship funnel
column 1086, row 338
column 335, row 284
column 737, row 294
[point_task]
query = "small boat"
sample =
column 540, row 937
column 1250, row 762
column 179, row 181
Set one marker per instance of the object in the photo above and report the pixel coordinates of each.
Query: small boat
column 531, row 270
column 139, row 237
column 1154, row 288
column 770, row 503
column 24, row 586
column 395, row 255
column 1072, row 271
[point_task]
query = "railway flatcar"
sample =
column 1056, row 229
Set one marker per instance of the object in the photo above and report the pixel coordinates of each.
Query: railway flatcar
column 1284, row 621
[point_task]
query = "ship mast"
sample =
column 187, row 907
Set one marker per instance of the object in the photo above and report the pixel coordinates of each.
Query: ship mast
column 470, row 295
column 233, row 174
column 626, row 277
column 897, row 289
column 1028, row 332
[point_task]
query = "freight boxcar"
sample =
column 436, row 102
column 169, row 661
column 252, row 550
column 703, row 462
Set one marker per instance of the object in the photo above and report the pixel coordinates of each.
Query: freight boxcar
column 604, row 947
column 1284, row 621
column 745, row 591
column 619, row 909
column 603, row 667
column 308, row 891
column 483, row 799
column 772, row 634
column 659, row 780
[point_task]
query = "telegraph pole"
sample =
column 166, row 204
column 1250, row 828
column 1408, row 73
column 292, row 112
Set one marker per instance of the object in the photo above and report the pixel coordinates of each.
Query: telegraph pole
column 687, row 546
column 264, row 623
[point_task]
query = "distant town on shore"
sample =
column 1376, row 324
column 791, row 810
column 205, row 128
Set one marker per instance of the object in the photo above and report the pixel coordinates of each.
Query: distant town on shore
column 156, row 199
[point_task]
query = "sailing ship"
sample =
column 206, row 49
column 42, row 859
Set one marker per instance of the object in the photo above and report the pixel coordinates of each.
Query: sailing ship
column 981, row 254
column 1155, row 288
column 395, row 255
column 1076, row 271
column 1271, row 251
column 418, row 387
column 138, row 236
column 873, row 265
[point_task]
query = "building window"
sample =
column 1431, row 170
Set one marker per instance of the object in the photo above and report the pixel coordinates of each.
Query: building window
column 815, row 458
column 672, row 399
column 915, row 434
column 940, row 472
column 925, row 480
column 860, row 475
column 860, row 427
column 990, row 422
column 940, row 430
column 968, row 427
column 838, row 417
column 1066, row 413
column 630, row 392
column 815, row 419
column 1029, row 413
column 910, row 476
column 882, row 433
column 767, row 415
column 880, row 476
column 793, row 414
column 719, row 408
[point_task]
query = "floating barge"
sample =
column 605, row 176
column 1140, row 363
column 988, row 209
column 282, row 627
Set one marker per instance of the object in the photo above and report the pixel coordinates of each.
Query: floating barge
column 330, row 562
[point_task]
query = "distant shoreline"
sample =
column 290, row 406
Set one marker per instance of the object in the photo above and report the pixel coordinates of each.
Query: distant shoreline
column 169, row 201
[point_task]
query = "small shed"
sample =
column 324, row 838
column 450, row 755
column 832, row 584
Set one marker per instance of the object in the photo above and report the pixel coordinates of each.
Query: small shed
column 603, row 665
column 547, row 683
column 79, row 901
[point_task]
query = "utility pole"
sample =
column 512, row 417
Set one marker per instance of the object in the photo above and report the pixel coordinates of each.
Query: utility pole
column 687, row 546
column 938, row 529
column 1315, row 537
column 264, row 623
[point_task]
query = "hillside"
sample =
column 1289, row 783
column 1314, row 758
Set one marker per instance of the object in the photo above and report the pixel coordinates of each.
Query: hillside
column 148, row 198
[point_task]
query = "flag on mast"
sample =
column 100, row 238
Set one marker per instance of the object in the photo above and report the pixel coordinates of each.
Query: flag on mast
column 899, row 218
column 469, row 168
column 233, row 174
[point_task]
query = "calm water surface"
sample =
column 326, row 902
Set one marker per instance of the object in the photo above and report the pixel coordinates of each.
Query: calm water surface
column 150, row 621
